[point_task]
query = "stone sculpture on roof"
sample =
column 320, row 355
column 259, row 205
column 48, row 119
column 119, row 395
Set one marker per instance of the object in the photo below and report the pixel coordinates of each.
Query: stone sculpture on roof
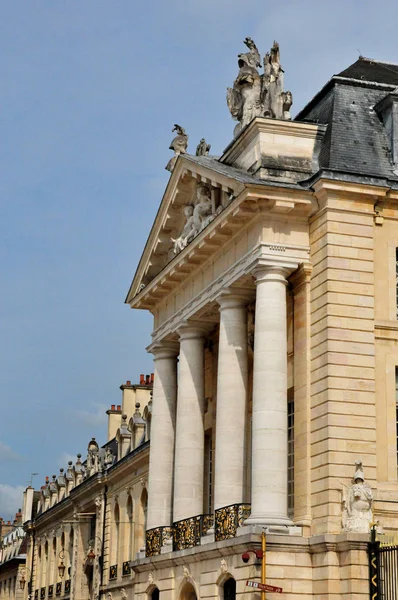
column 203, row 148
column 254, row 95
column 357, row 503
column 179, row 144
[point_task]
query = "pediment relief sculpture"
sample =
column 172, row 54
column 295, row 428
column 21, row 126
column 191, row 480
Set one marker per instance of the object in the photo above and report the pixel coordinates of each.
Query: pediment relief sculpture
column 197, row 216
column 254, row 95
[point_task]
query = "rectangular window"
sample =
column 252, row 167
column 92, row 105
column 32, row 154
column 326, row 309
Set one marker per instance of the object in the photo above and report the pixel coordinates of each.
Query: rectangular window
column 290, row 452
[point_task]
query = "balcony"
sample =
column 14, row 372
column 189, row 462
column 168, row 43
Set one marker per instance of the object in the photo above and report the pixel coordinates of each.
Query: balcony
column 67, row 586
column 126, row 569
column 155, row 539
column 50, row 591
column 227, row 520
column 42, row 593
column 58, row 588
column 187, row 533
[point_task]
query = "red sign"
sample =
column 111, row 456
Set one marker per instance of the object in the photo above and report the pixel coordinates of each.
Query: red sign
column 264, row 587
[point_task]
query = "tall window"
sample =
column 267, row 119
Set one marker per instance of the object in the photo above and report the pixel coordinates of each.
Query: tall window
column 209, row 475
column 130, row 531
column 290, row 452
column 396, row 409
column 396, row 279
column 115, row 541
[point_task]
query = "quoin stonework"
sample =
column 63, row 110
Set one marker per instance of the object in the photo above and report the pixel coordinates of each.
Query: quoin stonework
column 270, row 272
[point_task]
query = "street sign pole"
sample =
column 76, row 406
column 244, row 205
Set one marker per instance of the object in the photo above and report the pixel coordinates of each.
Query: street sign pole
column 263, row 563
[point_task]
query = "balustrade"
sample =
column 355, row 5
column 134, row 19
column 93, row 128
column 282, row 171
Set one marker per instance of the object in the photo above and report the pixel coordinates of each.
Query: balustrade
column 228, row 519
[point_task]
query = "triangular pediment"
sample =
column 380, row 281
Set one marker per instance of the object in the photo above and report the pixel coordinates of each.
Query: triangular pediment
column 194, row 180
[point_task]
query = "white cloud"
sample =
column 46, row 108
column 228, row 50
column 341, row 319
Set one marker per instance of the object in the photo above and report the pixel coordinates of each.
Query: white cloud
column 11, row 499
column 6, row 453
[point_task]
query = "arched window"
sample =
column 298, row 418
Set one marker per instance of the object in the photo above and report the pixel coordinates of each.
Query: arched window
column 130, row 528
column 230, row 589
column 155, row 594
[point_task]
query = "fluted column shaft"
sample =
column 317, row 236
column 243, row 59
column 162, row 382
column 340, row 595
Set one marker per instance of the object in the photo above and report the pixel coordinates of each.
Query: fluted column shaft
column 189, row 448
column 231, row 401
column 269, row 428
column 161, row 458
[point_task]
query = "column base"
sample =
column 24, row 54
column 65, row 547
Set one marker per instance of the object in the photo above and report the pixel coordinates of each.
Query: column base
column 269, row 521
column 270, row 530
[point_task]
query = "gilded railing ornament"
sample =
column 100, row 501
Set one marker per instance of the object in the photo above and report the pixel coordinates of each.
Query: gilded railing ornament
column 187, row 533
column 228, row 519
column 156, row 538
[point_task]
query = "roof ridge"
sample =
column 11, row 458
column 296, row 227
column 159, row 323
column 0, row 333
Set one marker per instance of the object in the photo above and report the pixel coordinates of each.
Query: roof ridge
column 381, row 62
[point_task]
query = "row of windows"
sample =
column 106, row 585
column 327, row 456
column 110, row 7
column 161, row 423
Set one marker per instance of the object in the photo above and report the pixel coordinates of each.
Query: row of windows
column 228, row 591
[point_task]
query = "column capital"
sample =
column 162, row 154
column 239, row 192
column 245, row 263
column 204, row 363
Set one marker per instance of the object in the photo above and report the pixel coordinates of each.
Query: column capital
column 234, row 298
column 271, row 273
column 161, row 350
column 190, row 330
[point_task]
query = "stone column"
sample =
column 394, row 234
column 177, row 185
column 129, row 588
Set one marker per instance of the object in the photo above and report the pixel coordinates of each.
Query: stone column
column 189, row 448
column 161, row 458
column 269, row 428
column 231, row 401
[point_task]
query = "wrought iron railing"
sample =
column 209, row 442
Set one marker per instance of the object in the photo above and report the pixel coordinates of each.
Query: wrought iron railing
column 227, row 520
column 67, row 586
column 58, row 588
column 113, row 572
column 50, row 591
column 126, row 570
column 42, row 593
column 187, row 532
column 156, row 538
column 36, row 594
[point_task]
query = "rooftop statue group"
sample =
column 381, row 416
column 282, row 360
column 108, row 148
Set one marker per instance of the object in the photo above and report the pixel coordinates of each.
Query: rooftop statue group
column 255, row 95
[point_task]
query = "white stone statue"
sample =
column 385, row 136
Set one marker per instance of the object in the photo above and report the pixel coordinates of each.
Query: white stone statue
column 254, row 95
column 203, row 148
column 357, row 503
column 123, row 594
column 197, row 217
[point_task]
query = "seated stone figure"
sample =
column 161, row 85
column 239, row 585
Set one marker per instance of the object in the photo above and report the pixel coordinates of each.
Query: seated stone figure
column 197, row 217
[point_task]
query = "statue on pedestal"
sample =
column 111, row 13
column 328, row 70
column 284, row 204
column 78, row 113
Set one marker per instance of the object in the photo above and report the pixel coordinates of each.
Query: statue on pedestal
column 254, row 95
column 357, row 503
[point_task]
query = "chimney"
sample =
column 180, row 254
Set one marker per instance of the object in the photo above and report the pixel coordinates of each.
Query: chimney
column 142, row 379
column 114, row 415
column 147, row 380
column 152, row 377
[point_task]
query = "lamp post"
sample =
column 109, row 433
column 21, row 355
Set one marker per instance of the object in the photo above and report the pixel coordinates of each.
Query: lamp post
column 23, row 580
column 61, row 566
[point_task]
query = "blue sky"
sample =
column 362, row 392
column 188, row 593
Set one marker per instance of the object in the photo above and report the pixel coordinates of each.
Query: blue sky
column 89, row 92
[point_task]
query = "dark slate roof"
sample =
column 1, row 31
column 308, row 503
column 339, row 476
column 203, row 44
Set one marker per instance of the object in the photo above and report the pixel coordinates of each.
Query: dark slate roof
column 355, row 140
column 371, row 70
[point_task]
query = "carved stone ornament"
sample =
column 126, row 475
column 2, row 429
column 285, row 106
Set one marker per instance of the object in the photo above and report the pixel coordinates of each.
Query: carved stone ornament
column 110, row 596
column 197, row 217
column 254, row 95
column 185, row 572
column 179, row 144
column 150, row 578
column 123, row 594
column 203, row 148
column 357, row 503
column 223, row 566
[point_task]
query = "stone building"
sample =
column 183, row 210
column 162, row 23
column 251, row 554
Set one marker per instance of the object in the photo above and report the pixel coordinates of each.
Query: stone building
column 90, row 519
column 270, row 273
column 12, row 558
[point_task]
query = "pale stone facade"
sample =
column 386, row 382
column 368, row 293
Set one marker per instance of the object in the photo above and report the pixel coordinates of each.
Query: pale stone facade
column 274, row 298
